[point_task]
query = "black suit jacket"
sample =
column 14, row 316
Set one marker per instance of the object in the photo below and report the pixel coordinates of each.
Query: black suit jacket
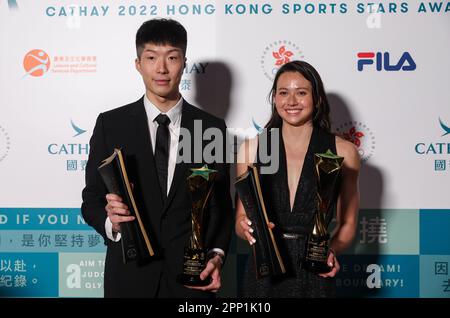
column 169, row 224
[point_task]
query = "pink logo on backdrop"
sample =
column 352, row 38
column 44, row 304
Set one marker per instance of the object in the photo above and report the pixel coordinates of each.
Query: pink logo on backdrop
column 278, row 53
column 360, row 135
column 36, row 63
column 282, row 56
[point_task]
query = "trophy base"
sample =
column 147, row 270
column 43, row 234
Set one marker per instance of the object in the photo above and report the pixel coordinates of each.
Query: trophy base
column 317, row 254
column 316, row 267
column 194, row 263
column 191, row 280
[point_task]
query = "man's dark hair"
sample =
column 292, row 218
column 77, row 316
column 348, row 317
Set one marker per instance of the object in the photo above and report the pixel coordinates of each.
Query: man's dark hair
column 161, row 32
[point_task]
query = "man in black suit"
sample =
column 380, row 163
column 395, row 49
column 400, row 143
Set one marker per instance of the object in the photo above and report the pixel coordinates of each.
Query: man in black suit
column 149, row 132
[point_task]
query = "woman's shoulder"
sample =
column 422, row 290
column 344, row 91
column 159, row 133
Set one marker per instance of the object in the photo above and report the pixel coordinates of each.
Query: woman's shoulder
column 348, row 150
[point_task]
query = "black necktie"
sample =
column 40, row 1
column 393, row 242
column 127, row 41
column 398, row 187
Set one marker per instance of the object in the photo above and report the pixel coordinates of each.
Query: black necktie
column 162, row 152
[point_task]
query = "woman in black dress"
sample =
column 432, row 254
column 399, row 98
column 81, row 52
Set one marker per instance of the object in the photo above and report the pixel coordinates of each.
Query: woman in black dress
column 300, row 111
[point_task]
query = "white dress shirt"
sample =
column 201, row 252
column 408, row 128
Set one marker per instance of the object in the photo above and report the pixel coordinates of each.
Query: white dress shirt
column 174, row 115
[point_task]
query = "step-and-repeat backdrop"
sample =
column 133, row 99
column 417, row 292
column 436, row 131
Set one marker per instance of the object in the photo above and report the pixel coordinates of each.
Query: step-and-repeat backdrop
column 386, row 70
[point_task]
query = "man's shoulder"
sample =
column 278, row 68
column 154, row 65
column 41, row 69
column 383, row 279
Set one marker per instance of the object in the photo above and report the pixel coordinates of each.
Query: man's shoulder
column 124, row 110
column 204, row 115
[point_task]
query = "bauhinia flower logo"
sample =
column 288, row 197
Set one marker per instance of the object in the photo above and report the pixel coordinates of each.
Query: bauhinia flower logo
column 360, row 135
column 282, row 56
column 278, row 53
column 354, row 136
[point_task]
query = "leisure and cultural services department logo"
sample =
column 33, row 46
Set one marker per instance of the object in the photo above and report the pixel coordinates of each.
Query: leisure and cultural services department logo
column 36, row 63
column 360, row 135
column 278, row 53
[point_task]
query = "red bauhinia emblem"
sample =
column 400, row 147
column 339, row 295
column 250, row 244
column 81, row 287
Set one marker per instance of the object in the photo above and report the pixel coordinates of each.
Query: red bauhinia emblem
column 354, row 136
column 282, row 56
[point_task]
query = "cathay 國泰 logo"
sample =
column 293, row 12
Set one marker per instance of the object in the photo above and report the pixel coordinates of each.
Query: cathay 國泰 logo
column 444, row 127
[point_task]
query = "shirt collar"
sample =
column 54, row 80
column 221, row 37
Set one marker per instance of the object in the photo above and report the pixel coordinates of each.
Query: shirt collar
column 174, row 113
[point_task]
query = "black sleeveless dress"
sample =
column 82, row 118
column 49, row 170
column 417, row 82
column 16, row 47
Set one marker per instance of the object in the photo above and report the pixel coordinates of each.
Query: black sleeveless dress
column 292, row 227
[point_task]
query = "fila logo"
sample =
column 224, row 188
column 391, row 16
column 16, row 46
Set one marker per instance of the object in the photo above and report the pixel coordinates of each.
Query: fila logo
column 383, row 61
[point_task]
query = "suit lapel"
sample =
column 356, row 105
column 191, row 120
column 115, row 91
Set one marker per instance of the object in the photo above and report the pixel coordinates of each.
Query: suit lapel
column 146, row 161
column 179, row 175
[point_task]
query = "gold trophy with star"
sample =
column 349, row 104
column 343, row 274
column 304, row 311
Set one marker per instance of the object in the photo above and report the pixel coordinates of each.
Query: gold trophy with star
column 200, row 185
column 328, row 168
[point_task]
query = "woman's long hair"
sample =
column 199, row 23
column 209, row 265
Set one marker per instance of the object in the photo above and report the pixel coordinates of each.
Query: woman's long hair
column 321, row 114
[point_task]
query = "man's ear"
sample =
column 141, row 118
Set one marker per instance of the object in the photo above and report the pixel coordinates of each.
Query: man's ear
column 137, row 64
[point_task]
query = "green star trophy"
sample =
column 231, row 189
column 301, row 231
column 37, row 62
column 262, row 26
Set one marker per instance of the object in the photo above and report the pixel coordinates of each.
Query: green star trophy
column 200, row 185
column 328, row 168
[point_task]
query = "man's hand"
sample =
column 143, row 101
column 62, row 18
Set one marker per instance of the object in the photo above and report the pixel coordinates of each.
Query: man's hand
column 212, row 269
column 117, row 211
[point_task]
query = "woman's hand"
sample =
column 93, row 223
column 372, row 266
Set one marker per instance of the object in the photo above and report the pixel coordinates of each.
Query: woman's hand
column 245, row 225
column 333, row 263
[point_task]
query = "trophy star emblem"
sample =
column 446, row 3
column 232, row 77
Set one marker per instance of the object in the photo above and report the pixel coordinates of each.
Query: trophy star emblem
column 203, row 172
column 329, row 154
